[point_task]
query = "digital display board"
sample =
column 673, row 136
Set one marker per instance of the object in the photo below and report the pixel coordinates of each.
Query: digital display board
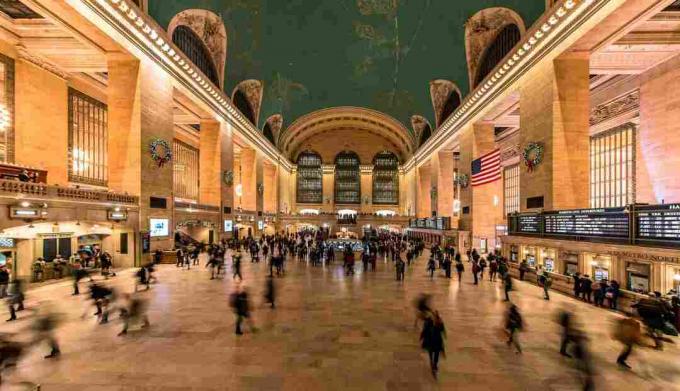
column 159, row 227
column 658, row 222
column 529, row 224
column 604, row 222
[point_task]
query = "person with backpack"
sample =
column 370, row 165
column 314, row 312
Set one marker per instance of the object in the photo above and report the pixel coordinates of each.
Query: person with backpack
column 513, row 324
column 482, row 266
column 475, row 271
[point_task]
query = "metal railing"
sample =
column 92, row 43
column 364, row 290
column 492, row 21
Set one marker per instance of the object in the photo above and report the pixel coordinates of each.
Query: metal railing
column 64, row 193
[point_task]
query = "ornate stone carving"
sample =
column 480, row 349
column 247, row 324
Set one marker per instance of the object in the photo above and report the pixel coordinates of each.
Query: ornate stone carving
column 253, row 91
column 616, row 107
column 480, row 31
column 210, row 27
column 418, row 123
column 509, row 152
column 25, row 55
column 440, row 90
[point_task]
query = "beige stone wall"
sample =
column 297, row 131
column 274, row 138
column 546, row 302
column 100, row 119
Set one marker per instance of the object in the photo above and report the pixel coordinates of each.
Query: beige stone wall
column 658, row 139
column 424, row 203
column 210, row 164
column 41, row 127
column 270, row 187
column 366, row 192
column 555, row 109
column 248, row 168
column 445, row 184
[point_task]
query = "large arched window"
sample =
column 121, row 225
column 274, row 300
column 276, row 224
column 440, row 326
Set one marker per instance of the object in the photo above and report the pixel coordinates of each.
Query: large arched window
column 450, row 106
column 243, row 105
column 194, row 48
column 268, row 134
column 427, row 132
column 347, row 178
column 505, row 40
column 385, row 179
column 309, row 178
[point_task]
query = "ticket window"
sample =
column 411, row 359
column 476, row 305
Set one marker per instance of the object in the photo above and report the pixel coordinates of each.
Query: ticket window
column 600, row 268
column 549, row 260
column 571, row 265
column 514, row 253
column 676, row 280
column 637, row 277
column 530, row 256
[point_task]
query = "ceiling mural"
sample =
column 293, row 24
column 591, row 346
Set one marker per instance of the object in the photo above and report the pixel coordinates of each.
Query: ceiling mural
column 316, row 54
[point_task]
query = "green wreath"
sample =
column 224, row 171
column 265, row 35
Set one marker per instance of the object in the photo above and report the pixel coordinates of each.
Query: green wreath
column 532, row 155
column 462, row 180
column 158, row 156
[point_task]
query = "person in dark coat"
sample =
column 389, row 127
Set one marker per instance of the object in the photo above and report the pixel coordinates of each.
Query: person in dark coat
column 270, row 291
column 432, row 339
column 241, row 307
column 513, row 323
column 577, row 285
column 586, row 288
column 507, row 285
column 460, row 268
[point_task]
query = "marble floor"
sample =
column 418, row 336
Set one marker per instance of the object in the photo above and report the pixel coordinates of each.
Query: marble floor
column 329, row 332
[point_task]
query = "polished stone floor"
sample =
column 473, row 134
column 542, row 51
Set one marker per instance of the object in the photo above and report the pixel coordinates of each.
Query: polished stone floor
column 329, row 332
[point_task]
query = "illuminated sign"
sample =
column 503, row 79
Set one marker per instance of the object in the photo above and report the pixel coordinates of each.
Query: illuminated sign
column 260, row 224
column 228, row 225
column 117, row 215
column 159, row 227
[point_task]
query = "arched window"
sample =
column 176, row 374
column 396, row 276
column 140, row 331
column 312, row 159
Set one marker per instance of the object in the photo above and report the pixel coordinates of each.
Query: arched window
column 427, row 132
column 506, row 39
column 347, row 178
column 450, row 106
column 385, row 179
column 242, row 104
column 309, row 178
column 267, row 131
column 194, row 48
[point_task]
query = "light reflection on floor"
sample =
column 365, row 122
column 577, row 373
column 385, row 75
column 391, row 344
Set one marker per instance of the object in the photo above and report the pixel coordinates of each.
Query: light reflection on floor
column 329, row 331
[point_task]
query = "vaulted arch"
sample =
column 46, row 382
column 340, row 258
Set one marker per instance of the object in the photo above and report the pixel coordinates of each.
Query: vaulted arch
column 247, row 96
column 422, row 129
column 209, row 28
column 481, row 31
column 505, row 40
column 272, row 128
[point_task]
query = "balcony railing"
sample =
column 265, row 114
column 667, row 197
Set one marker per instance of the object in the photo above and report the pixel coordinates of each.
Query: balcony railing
column 64, row 193
column 656, row 225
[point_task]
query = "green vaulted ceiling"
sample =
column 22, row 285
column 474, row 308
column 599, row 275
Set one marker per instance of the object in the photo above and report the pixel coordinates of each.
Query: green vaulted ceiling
column 314, row 54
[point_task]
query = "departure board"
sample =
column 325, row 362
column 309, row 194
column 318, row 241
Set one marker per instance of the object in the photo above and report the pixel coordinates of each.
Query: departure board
column 605, row 223
column 529, row 224
column 658, row 222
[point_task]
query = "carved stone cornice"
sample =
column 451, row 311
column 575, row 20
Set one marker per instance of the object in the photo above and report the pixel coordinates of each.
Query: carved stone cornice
column 621, row 105
column 25, row 55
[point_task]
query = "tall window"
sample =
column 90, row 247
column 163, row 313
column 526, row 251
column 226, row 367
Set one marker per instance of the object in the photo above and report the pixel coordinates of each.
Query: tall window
column 185, row 171
column 347, row 178
column 385, row 179
column 506, row 39
column 309, row 178
column 511, row 189
column 194, row 48
column 612, row 167
column 6, row 109
column 87, row 139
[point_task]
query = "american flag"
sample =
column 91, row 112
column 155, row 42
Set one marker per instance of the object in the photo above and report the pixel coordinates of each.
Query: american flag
column 487, row 168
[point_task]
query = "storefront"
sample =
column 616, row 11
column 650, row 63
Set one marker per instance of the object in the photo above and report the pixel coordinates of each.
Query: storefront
column 8, row 253
column 530, row 253
column 514, row 253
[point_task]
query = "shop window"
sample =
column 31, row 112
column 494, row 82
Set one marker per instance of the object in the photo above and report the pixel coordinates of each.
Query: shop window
column 347, row 178
column 49, row 249
column 637, row 277
column 549, row 261
column 123, row 242
column 385, row 179
column 87, row 139
column 612, row 167
column 185, row 171
column 511, row 189
column 514, row 253
column 6, row 109
column 309, row 178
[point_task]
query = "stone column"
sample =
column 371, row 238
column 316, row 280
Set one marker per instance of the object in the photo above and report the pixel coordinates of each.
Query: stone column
column 227, row 166
column 210, row 163
column 366, row 189
column 259, row 193
column 434, row 183
column 41, row 107
column 423, row 205
column 140, row 111
column 483, row 203
column 328, row 188
column 555, row 111
column 248, row 179
column 445, row 184
column 270, row 187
